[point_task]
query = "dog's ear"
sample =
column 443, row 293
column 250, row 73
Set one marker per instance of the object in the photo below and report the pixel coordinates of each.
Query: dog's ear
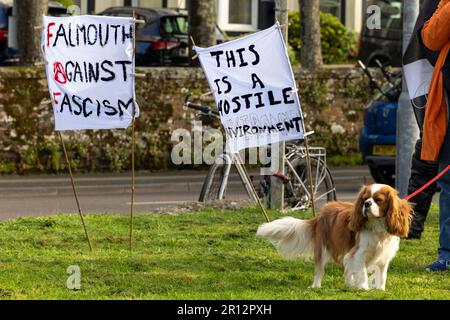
column 357, row 219
column 398, row 216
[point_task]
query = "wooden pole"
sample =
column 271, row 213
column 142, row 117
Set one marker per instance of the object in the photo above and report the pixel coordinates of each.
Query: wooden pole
column 308, row 164
column 133, row 148
column 132, row 188
column 247, row 177
column 133, row 178
column 75, row 190
column 276, row 185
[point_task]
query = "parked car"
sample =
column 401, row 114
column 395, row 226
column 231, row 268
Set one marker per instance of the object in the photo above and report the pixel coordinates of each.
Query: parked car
column 3, row 29
column 10, row 56
column 377, row 140
column 383, row 44
column 163, row 39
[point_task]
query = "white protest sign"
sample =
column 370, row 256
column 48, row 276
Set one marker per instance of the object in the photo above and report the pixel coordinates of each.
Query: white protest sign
column 254, row 89
column 90, row 67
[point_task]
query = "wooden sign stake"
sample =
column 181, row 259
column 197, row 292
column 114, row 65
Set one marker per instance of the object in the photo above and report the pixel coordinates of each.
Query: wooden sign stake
column 308, row 164
column 75, row 190
column 252, row 187
column 133, row 148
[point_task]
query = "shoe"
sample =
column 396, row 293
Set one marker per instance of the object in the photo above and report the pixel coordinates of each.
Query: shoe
column 439, row 265
column 413, row 236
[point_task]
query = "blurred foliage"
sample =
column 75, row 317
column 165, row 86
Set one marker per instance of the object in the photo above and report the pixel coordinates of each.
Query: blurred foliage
column 338, row 43
column 292, row 55
column 65, row 3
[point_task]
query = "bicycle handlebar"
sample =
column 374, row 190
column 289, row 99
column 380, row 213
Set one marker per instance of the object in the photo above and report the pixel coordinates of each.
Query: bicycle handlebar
column 373, row 82
column 199, row 107
column 385, row 73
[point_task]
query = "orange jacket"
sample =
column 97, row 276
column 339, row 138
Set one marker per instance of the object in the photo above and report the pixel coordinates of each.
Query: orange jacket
column 436, row 37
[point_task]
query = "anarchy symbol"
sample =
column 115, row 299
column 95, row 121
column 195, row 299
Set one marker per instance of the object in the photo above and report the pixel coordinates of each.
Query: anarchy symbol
column 60, row 74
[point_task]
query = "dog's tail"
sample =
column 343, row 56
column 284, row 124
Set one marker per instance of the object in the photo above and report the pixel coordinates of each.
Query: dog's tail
column 292, row 237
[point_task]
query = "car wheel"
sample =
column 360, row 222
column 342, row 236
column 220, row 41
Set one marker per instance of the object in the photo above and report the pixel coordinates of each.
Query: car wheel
column 384, row 175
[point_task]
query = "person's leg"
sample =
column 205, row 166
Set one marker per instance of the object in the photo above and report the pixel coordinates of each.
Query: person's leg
column 444, row 202
column 443, row 263
column 421, row 172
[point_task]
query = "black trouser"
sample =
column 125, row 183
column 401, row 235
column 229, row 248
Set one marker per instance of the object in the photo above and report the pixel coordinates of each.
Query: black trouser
column 421, row 172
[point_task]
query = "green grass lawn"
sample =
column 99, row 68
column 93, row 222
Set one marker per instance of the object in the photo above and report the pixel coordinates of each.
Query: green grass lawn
column 211, row 254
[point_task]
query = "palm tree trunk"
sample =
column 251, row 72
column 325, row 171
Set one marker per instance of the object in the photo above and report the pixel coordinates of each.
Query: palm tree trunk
column 202, row 22
column 29, row 15
column 311, row 51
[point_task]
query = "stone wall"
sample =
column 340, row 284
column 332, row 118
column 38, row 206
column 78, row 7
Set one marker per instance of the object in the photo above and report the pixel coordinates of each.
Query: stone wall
column 332, row 99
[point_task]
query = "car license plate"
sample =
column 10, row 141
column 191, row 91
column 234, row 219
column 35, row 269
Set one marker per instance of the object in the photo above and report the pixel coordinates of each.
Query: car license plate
column 183, row 52
column 384, row 150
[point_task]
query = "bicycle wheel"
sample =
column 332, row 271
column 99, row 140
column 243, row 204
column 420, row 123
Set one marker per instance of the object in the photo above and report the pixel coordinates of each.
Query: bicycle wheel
column 213, row 181
column 297, row 194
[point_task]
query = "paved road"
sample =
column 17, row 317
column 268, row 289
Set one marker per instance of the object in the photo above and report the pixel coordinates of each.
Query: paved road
column 43, row 195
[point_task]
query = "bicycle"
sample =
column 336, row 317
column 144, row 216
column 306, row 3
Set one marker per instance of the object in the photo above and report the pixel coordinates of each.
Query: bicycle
column 296, row 195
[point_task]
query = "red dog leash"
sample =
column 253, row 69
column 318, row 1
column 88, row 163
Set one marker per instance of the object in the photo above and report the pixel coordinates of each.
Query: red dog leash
column 429, row 183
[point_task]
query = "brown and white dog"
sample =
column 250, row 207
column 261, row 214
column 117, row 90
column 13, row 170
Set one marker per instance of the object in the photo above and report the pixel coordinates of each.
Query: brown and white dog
column 362, row 237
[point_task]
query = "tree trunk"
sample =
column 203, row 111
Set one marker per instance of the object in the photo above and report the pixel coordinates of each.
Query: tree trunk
column 202, row 22
column 29, row 15
column 310, row 51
